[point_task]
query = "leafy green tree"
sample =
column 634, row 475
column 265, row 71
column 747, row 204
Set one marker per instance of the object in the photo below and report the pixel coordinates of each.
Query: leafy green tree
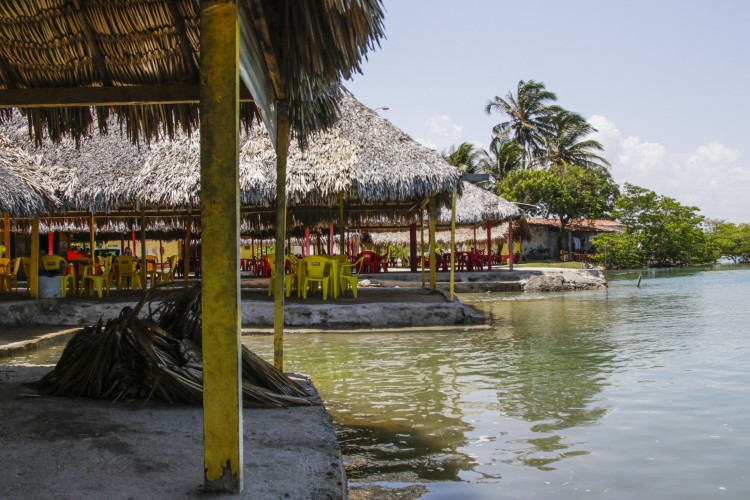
column 465, row 157
column 565, row 192
column 729, row 240
column 501, row 159
column 527, row 112
column 567, row 141
column 660, row 232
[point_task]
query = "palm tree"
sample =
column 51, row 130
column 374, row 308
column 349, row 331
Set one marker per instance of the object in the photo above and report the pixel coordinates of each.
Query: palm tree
column 527, row 114
column 565, row 142
column 464, row 157
column 501, row 158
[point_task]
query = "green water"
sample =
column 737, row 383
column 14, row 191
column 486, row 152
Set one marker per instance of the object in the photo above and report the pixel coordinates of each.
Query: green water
column 624, row 393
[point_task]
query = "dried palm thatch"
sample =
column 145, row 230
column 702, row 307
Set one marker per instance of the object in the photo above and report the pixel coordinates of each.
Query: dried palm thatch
column 362, row 156
column 93, row 173
column 63, row 43
column 476, row 205
column 23, row 192
column 158, row 356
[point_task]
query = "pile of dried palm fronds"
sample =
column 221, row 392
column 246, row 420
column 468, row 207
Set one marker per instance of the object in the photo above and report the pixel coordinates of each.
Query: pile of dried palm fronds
column 158, row 356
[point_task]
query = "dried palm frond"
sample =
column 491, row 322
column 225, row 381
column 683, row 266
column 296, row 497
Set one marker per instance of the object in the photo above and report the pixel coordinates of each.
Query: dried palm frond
column 158, row 356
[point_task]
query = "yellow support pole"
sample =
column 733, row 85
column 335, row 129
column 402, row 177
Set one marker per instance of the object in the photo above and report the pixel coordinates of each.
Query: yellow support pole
column 220, row 223
column 453, row 245
column 282, row 144
column 432, row 213
column 186, row 252
column 144, row 266
column 34, row 267
column 421, row 243
column 6, row 234
column 92, row 239
column 342, row 243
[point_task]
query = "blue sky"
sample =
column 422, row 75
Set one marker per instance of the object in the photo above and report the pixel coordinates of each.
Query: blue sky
column 665, row 82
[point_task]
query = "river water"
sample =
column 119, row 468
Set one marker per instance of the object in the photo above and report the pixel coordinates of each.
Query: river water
column 623, row 393
column 620, row 393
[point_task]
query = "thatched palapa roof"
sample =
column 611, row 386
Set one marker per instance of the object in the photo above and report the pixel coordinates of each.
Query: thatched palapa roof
column 363, row 156
column 476, row 205
column 23, row 192
column 305, row 50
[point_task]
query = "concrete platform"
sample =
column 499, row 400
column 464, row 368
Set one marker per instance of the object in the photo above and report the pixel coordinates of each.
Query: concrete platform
column 77, row 448
column 376, row 307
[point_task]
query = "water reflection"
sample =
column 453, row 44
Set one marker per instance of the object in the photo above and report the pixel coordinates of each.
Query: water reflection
column 434, row 406
column 547, row 362
column 391, row 399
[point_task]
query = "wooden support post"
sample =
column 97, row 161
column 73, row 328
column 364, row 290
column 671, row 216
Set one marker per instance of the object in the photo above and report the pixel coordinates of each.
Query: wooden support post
column 132, row 242
column 6, row 234
column 34, row 266
column 421, row 243
column 432, row 212
column 453, row 245
column 282, row 146
column 330, row 239
column 510, row 245
column 342, row 229
column 50, row 243
column 92, row 239
column 144, row 265
column 186, row 253
column 489, row 245
column 413, row 248
column 220, row 223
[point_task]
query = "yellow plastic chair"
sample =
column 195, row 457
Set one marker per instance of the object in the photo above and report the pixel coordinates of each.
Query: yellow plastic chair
column 2, row 250
column 346, row 278
column 150, row 268
column 5, row 280
column 167, row 276
column 26, row 265
column 68, row 281
column 125, row 272
column 96, row 276
column 289, row 279
column 318, row 271
column 15, row 267
column 299, row 271
column 67, row 272
column 53, row 262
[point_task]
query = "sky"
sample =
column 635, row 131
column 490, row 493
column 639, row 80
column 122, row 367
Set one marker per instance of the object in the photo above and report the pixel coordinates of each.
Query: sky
column 666, row 83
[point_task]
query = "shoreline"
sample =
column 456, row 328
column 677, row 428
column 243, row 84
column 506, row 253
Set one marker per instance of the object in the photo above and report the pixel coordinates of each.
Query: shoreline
column 392, row 300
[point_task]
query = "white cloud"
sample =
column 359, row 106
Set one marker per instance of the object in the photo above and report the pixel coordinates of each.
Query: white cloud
column 444, row 127
column 714, row 177
column 426, row 143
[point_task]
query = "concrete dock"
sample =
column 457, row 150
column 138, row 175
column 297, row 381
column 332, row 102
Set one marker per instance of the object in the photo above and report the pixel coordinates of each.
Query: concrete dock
column 56, row 447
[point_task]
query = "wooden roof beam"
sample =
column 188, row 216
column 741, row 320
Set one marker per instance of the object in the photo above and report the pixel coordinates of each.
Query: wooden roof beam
column 58, row 97
column 6, row 75
column 92, row 44
column 185, row 48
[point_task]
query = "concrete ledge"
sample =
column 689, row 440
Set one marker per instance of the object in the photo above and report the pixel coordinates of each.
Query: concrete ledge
column 377, row 307
column 78, row 448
